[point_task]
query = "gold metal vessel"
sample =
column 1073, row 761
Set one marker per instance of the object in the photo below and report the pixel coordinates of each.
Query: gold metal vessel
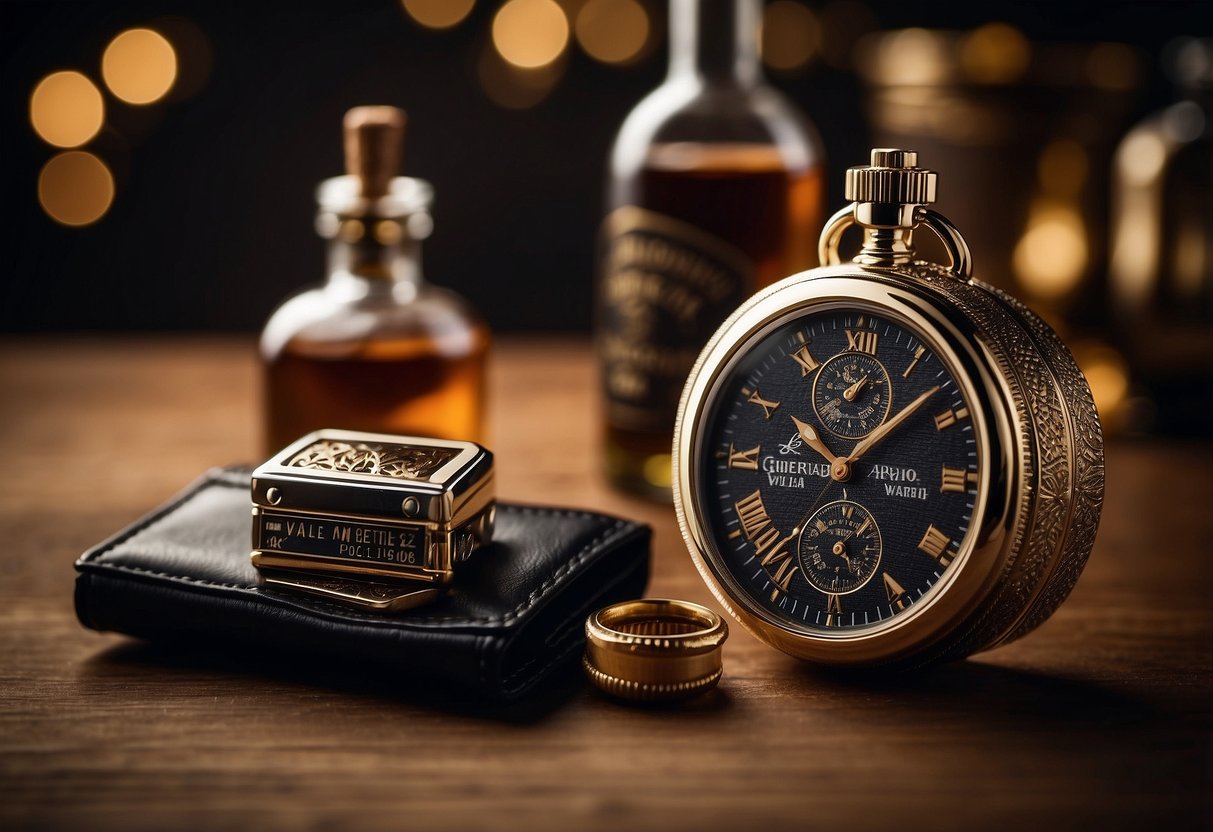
column 378, row 521
column 654, row 650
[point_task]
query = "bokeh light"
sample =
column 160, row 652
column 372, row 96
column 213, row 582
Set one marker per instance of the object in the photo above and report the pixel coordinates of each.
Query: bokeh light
column 1108, row 375
column 659, row 470
column 75, row 188
column 530, row 33
column 66, row 109
column 139, row 66
column 919, row 56
column 1051, row 256
column 1136, row 236
column 612, row 31
column 438, row 14
column 1141, row 157
column 790, row 35
column 996, row 53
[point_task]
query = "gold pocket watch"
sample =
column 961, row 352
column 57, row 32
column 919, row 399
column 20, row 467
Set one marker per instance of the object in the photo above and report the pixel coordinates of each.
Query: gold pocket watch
column 887, row 461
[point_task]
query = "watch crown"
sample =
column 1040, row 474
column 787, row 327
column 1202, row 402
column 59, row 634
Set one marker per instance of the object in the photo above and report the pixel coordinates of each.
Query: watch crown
column 893, row 178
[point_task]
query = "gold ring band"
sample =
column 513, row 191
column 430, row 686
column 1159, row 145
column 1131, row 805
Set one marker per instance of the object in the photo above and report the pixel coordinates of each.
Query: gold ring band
column 654, row 650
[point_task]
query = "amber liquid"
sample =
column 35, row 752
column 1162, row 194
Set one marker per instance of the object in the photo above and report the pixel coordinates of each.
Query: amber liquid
column 387, row 385
column 744, row 195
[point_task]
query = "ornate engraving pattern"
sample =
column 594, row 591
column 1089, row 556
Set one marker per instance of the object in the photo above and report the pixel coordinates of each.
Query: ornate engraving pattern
column 1010, row 597
column 405, row 462
column 356, row 589
column 1088, row 476
column 1060, row 489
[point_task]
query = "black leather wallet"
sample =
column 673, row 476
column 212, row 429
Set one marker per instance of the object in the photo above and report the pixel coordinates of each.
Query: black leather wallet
column 514, row 615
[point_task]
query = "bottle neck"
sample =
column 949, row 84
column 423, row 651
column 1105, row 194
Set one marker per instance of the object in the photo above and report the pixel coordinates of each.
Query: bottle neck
column 715, row 40
column 374, row 262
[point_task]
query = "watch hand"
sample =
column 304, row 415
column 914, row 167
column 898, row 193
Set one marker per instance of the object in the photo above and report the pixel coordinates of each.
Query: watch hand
column 810, row 437
column 884, row 430
column 839, row 468
column 841, row 551
column 857, row 530
column 851, row 392
column 840, row 545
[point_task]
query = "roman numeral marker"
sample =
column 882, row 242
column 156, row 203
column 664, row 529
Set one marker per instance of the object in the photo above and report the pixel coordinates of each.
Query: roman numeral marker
column 746, row 460
column 862, row 340
column 752, row 514
column 935, row 543
column 833, row 611
column 781, row 566
column 847, row 511
column 918, row 353
column 950, row 417
column 897, row 595
column 957, row 480
column 765, row 540
column 805, row 359
column 754, row 397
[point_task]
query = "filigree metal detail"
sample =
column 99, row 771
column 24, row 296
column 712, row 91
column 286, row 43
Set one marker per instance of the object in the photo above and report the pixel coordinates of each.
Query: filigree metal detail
column 406, row 462
column 1086, row 483
column 1060, row 491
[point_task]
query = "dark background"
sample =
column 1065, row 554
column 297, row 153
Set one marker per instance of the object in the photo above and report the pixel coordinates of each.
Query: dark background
column 212, row 222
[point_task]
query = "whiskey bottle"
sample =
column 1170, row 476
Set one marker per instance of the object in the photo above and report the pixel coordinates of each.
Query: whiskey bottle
column 714, row 191
column 376, row 347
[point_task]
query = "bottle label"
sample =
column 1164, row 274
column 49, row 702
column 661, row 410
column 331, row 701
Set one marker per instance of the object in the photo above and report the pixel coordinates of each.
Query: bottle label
column 666, row 286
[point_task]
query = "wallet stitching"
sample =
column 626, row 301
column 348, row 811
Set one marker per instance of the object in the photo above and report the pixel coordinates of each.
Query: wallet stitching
column 225, row 478
column 139, row 570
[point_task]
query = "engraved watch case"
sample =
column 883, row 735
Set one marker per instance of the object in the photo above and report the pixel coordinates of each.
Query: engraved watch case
column 1039, row 488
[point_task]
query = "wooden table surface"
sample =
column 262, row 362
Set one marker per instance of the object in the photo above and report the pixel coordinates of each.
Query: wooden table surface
column 1100, row 719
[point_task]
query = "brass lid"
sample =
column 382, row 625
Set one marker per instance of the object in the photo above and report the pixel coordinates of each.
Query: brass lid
column 377, row 475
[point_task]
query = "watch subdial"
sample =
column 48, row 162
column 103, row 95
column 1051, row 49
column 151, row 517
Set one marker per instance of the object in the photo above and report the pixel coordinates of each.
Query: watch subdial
column 839, row 547
column 851, row 394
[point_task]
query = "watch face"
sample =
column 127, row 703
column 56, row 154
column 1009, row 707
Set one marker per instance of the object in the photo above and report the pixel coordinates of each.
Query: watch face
column 838, row 471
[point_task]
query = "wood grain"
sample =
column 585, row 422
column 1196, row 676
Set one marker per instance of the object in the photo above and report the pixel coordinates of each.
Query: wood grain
column 1099, row 719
